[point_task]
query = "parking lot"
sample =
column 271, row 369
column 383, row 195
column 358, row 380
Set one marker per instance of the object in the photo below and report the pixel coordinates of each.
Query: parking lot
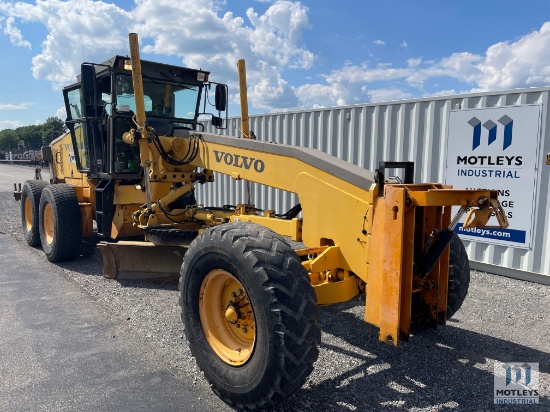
column 450, row 368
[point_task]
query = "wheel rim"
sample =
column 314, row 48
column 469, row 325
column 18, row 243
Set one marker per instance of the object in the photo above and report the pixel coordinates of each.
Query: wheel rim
column 28, row 213
column 227, row 317
column 48, row 223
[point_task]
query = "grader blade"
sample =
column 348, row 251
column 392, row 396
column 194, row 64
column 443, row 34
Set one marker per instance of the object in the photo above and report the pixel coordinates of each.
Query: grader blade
column 129, row 260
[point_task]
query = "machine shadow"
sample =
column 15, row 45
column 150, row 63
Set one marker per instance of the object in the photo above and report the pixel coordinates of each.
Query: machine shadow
column 89, row 259
column 444, row 369
column 447, row 368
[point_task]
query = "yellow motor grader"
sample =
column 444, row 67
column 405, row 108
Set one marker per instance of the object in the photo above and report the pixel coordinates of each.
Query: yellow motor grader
column 131, row 162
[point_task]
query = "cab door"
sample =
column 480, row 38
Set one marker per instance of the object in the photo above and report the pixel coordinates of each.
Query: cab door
column 76, row 124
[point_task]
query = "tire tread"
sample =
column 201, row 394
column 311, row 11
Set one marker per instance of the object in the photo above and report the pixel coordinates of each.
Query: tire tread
column 67, row 222
column 459, row 276
column 32, row 189
column 292, row 303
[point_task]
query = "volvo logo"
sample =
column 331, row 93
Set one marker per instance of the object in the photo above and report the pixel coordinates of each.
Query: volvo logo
column 242, row 162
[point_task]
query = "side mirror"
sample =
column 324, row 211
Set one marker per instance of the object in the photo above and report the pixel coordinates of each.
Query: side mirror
column 221, row 97
column 217, row 122
column 87, row 79
column 46, row 153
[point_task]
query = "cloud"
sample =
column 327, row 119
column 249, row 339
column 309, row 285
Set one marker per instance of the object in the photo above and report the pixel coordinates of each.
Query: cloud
column 270, row 43
column 352, row 84
column 77, row 30
column 273, row 45
column 10, row 124
column 447, row 92
column 10, row 106
column 279, row 28
column 414, row 62
column 521, row 63
column 525, row 62
column 386, row 95
column 320, row 95
column 459, row 66
column 272, row 91
column 61, row 113
column 87, row 30
column 16, row 38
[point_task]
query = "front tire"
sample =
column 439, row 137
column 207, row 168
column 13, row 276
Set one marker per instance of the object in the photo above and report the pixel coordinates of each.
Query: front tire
column 459, row 276
column 60, row 223
column 250, row 314
column 30, row 203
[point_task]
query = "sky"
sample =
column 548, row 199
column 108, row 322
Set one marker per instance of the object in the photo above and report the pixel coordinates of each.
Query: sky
column 299, row 54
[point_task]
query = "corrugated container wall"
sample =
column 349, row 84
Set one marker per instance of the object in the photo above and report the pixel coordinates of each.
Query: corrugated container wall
column 412, row 130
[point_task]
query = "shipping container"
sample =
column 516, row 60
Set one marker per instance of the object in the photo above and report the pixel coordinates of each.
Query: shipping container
column 409, row 130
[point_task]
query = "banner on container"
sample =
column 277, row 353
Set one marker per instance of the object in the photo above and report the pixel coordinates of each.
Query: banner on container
column 496, row 148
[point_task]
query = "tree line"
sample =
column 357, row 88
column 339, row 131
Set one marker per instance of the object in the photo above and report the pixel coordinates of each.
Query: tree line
column 32, row 137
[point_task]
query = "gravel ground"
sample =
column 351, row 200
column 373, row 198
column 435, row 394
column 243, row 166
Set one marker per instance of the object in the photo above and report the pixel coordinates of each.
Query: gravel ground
column 450, row 368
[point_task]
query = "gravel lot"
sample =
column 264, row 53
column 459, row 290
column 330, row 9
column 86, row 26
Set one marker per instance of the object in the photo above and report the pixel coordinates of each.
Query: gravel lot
column 450, row 368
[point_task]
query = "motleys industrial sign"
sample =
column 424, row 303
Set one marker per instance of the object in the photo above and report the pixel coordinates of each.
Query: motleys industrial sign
column 496, row 148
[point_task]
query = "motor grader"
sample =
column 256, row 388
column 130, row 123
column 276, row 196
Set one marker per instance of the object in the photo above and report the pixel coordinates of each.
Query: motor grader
column 127, row 172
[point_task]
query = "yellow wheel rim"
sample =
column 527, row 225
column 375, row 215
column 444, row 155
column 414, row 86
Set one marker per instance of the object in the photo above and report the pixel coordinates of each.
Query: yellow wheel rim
column 28, row 214
column 227, row 317
column 48, row 223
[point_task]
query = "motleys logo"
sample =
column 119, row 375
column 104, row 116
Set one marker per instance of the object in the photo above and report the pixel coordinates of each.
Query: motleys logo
column 519, row 384
column 491, row 127
column 516, row 374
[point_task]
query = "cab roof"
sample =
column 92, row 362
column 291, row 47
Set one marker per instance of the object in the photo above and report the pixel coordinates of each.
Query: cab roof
column 151, row 69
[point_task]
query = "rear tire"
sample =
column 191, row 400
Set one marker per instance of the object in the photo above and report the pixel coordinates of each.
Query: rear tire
column 242, row 277
column 30, row 203
column 60, row 223
column 459, row 276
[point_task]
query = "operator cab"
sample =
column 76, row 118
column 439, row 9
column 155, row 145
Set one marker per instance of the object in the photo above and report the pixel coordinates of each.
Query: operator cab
column 100, row 109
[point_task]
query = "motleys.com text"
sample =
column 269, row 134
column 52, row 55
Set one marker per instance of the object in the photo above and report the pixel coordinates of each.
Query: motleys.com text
column 484, row 232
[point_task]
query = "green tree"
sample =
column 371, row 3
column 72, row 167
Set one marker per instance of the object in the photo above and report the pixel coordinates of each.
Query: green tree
column 31, row 136
column 8, row 139
column 52, row 129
